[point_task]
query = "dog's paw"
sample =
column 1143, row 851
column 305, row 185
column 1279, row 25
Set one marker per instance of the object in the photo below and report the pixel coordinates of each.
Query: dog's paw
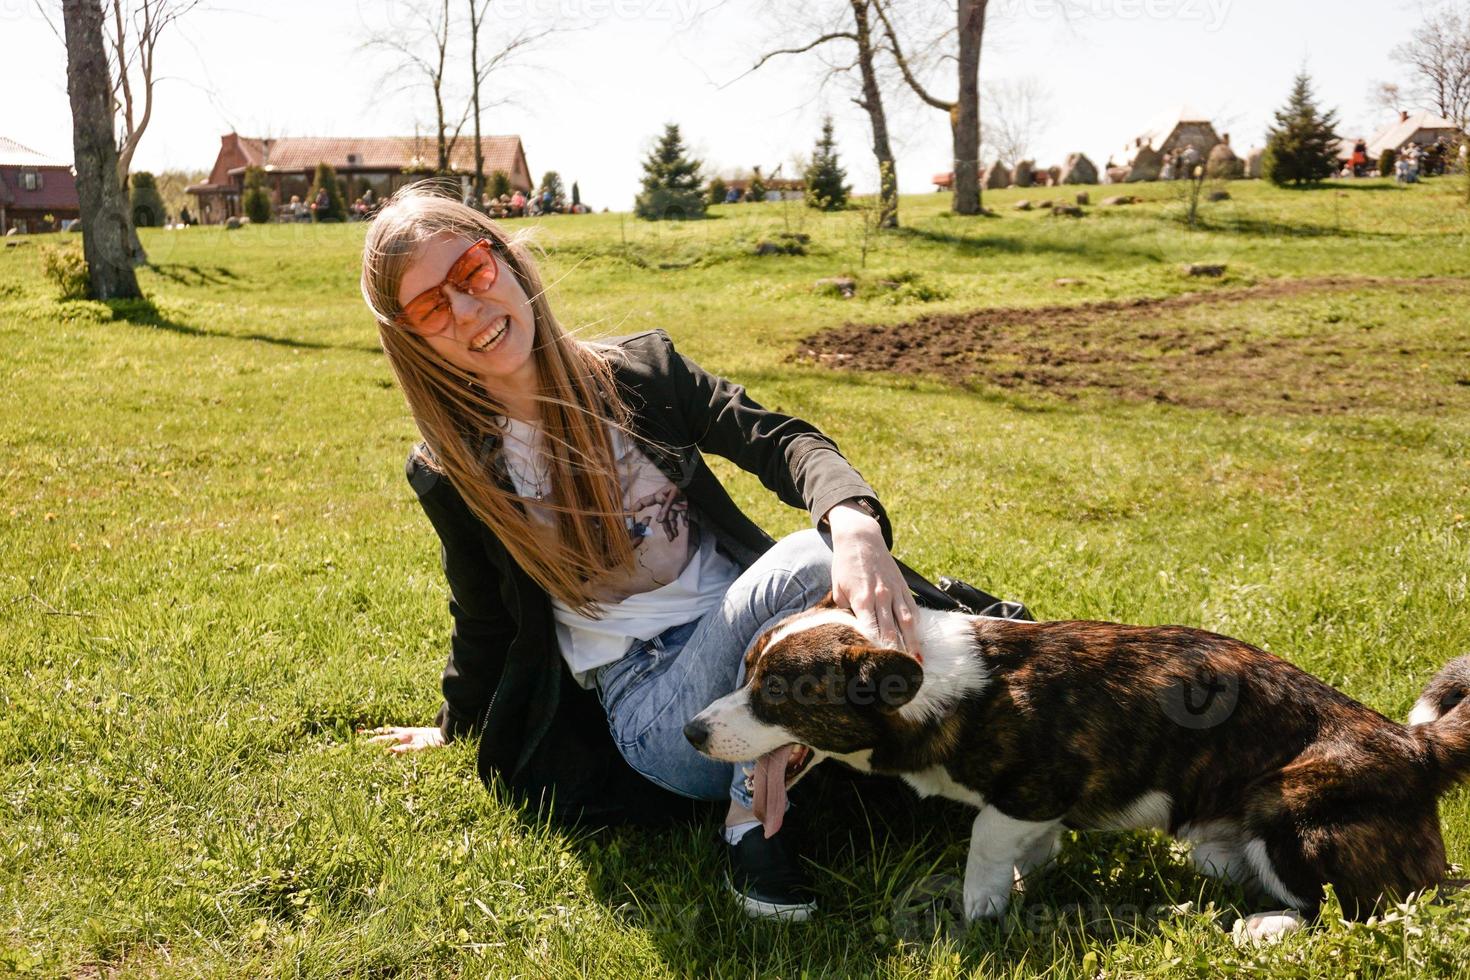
column 1265, row 927
column 986, row 904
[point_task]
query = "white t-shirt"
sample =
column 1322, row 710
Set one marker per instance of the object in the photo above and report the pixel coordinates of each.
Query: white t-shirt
column 679, row 575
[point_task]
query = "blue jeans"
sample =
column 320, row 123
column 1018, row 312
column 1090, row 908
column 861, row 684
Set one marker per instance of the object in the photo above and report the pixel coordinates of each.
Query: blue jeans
column 661, row 683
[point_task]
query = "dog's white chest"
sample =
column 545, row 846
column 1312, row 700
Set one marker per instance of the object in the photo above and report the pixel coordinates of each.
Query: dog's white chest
column 938, row 782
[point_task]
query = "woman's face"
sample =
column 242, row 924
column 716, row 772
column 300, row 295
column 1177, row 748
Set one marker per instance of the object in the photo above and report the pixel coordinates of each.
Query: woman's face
column 489, row 334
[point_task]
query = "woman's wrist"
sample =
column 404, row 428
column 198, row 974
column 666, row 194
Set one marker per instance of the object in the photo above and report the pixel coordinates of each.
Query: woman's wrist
column 852, row 518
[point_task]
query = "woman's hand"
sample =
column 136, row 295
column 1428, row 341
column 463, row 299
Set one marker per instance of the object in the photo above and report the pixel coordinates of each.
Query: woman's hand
column 866, row 579
column 402, row 740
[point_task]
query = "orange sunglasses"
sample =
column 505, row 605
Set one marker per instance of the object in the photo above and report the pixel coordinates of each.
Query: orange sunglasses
column 474, row 272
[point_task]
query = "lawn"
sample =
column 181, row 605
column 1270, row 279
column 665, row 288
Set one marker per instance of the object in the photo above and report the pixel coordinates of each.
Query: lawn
column 213, row 572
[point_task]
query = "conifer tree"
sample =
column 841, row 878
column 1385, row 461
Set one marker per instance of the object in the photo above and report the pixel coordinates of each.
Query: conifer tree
column 336, row 209
column 1299, row 148
column 145, row 200
column 824, row 175
column 670, row 181
column 756, row 189
column 256, row 201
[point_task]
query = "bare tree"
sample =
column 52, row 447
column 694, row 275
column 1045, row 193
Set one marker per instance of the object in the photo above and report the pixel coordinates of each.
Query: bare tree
column 1016, row 112
column 421, row 55
column 964, row 108
column 106, row 225
column 482, row 69
column 1438, row 56
column 851, row 28
column 132, row 29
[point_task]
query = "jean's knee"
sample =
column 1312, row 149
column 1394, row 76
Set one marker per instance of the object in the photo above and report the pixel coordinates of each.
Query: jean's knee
column 806, row 556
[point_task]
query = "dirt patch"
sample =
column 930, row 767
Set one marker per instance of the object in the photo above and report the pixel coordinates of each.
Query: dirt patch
column 1296, row 355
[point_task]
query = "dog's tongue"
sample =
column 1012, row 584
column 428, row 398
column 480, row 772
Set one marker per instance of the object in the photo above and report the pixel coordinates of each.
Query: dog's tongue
column 770, row 788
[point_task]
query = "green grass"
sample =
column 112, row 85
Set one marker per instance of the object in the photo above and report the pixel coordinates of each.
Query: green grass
column 213, row 571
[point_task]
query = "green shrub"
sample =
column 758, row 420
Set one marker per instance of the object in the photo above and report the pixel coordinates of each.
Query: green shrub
column 256, row 200
column 756, row 190
column 551, row 181
column 66, row 267
column 715, row 190
column 499, row 183
column 1387, row 162
column 145, row 200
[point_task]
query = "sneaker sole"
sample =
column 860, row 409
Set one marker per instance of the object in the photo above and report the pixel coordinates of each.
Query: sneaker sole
column 757, row 909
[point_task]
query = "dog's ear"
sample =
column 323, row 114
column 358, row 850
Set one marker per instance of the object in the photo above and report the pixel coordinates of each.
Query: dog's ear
column 886, row 679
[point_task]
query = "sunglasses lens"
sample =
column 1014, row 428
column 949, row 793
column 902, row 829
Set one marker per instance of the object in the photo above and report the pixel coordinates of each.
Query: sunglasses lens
column 481, row 274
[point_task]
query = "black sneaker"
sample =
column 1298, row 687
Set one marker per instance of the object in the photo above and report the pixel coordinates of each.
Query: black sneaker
column 768, row 879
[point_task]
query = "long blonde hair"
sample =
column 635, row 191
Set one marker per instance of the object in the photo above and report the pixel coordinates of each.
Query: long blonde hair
column 577, row 397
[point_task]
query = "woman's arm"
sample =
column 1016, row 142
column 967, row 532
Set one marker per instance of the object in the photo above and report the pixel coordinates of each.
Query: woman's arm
column 482, row 629
column 805, row 469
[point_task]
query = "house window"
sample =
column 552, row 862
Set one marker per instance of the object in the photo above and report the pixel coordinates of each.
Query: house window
column 30, row 180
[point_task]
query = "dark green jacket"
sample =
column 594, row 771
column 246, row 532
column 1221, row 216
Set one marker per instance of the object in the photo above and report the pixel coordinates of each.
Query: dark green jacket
column 541, row 733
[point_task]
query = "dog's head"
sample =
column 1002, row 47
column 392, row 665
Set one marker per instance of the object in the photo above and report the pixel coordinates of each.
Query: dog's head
column 814, row 680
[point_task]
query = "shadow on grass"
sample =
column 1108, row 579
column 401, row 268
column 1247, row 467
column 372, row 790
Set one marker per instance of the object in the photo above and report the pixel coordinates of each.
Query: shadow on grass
column 193, row 275
column 143, row 313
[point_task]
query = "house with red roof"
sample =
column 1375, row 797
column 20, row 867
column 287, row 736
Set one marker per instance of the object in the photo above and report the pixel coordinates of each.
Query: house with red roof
column 37, row 193
column 381, row 164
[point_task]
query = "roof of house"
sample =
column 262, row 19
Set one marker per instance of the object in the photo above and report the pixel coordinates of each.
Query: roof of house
column 12, row 154
column 378, row 152
column 1400, row 131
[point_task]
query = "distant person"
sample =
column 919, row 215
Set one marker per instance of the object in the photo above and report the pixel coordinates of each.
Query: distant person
column 732, row 196
column 1359, row 162
column 185, row 218
column 298, row 209
column 517, row 204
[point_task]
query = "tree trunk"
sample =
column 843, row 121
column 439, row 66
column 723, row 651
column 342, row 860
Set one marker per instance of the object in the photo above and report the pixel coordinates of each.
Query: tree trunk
column 872, row 103
column 475, row 91
column 106, row 223
column 965, row 117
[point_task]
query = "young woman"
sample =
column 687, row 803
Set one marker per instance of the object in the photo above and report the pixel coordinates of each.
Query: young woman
column 603, row 585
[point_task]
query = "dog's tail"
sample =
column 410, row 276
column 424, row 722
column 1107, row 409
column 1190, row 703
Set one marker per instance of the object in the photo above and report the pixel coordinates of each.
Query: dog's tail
column 1442, row 718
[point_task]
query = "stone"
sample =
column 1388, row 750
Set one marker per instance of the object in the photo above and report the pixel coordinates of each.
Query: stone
column 1084, row 198
column 1079, row 170
column 1024, row 205
column 1046, row 205
column 1146, row 165
column 1068, row 282
column 1218, row 196
column 843, row 285
column 1255, row 163
column 998, row 177
column 233, row 223
column 1122, row 200
column 1204, row 270
column 1025, row 175
column 1067, row 211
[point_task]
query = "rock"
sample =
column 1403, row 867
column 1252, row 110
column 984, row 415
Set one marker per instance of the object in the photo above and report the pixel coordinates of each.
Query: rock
column 1025, row 175
column 1024, row 205
column 1255, row 163
column 1205, row 270
column 1218, row 196
column 1046, row 205
column 793, row 245
column 1084, row 198
column 1146, row 165
column 1067, row 211
column 233, row 223
column 1068, row 282
column 1119, row 175
column 12, row 232
column 1223, row 164
column 1121, row 200
column 842, row 285
column 998, row 177
column 1079, row 170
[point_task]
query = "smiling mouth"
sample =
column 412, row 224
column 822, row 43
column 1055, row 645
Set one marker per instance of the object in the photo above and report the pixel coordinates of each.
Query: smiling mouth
column 491, row 337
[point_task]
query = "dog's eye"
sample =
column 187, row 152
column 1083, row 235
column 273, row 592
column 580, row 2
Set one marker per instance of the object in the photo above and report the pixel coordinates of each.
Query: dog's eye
column 1450, row 700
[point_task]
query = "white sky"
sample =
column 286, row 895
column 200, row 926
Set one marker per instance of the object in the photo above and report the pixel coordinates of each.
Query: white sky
column 598, row 95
